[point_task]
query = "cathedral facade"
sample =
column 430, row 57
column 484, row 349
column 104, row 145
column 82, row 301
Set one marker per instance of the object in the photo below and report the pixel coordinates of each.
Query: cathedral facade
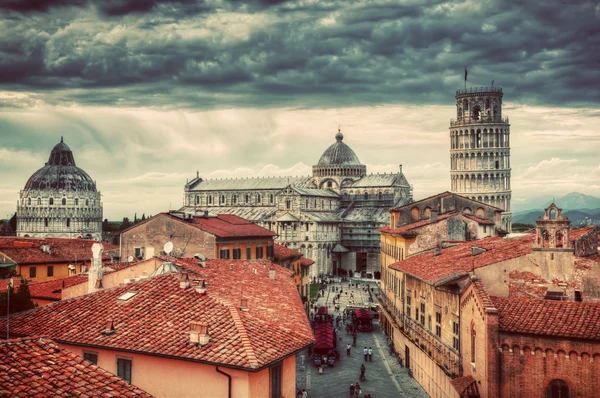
column 60, row 200
column 480, row 149
column 331, row 217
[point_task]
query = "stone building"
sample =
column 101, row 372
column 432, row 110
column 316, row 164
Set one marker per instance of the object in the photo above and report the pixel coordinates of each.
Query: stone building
column 331, row 217
column 500, row 317
column 480, row 149
column 60, row 200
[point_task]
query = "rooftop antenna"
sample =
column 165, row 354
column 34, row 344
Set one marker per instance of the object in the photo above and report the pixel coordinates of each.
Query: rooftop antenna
column 168, row 248
column 493, row 83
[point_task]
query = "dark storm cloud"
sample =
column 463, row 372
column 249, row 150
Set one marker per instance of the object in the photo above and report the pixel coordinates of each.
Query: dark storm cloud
column 299, row 53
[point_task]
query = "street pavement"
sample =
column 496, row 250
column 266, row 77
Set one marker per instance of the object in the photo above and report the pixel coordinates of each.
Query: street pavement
column 384, row 376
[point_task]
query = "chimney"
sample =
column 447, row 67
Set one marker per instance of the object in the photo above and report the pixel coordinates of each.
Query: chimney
column 199, row 333
column 110, row 328
column 201, row 259
column 433, row 215
column 231, row 267
column 98, row 284
column 244, row 304
column 201, row 289
column 184, row 281
column 400, row 169
column 476, row 251
column 272, row 273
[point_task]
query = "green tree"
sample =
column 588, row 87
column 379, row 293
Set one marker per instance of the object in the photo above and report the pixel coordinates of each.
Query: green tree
column 143, row 216
column 135, row 220
column 105, row 225
column 125, row 224
column 19, row 301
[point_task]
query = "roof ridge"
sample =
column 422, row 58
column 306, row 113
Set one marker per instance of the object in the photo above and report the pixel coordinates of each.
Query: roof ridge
column 239, row 324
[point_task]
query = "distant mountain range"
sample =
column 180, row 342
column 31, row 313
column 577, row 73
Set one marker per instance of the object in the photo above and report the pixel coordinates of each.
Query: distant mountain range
column 581, row 209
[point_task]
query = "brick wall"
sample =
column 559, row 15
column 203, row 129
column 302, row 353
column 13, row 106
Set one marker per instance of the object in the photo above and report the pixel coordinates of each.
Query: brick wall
column 587, row 244
column 527, row 364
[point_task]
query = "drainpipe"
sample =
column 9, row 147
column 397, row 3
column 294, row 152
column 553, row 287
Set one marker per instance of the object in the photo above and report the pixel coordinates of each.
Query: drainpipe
column 228, row 383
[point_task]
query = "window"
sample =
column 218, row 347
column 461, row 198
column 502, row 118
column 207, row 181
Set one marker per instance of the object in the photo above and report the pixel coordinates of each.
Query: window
column 408, row 301
column 29, row 201
column 51, row 201
column 234, row 199
column 271, row 198
column 429, row 322
column 91, row 357
column 484, row 229
column 209, row 199
column 423, row 313
column 32, row 272
column 248, row 253
column 237, row 253
column 50, row 270
column 558, row 389
column 68, row 223
column 124, row 369
column 139, row 252
column 276, row 381
column 247, row 198
column 64, row 201
column 259, row 252
column 497, row 164
column 45, row 221
column 258, row 199
column 366, row 196
column 473, row 345
column 83, row 268
column 455, row 341
column 288, row 204
column 328, row 184
column 269, row 252
column 76, row 202
column 438, row 322
column 307, row 226
column 197, row 200
column 222, row 199
column 87, row 202
column 39, row 201
column 224, row 254
column 307, row 203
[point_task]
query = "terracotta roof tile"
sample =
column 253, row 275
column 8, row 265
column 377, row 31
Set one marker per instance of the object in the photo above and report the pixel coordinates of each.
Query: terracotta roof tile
column 156, row 319
column 229, row 225
column 281, row 252
column 549, row 318
column 306, row 262
column 459, row 258
column 48, row 290
column 38, row 367
column 480, row 221
column 27, row 250
column 461, row 384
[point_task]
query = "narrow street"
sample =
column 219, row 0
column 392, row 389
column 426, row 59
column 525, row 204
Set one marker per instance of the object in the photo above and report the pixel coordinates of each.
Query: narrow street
column 384, row 376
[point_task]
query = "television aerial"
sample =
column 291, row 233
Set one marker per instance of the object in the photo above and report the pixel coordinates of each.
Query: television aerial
column 168, row 248
column 129, row 259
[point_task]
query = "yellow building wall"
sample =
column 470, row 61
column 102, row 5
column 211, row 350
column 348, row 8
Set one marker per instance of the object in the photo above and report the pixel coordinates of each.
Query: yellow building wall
column 173, row 378
column 61, row 270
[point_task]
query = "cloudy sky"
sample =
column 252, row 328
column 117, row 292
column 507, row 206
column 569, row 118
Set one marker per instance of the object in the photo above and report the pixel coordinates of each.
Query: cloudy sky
column 148, row 92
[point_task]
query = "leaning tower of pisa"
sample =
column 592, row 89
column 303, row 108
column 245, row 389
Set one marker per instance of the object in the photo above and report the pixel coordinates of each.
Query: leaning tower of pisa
column 480, row 149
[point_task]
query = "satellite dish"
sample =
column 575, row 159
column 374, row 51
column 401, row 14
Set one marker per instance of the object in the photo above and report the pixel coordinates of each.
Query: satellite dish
column 129, row 259
column 168, row 248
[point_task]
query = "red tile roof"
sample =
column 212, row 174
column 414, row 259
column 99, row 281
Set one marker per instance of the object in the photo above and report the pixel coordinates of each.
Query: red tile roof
column 37, row 367
column 306, row 262
column 47, row 290
column 417, row 224
column 157, row 319
column 480, row 221
column 229, row 225
column 549, row 318
column 458, row 260
column 464, row 383
column 281, row 252
column 62, row 250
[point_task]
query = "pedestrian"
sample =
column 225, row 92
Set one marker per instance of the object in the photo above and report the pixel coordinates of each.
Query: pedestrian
column 362, row 372
column 354, row 339
column 357, row 388
column 299, row 393
column 348, row 346
column 304, row 393
column 366, row 353
column 370, row 355
column 351, row 390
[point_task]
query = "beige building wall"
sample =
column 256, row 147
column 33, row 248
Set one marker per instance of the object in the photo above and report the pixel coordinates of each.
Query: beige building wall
column 115, row 278
column 187, row 240
column 174, row 378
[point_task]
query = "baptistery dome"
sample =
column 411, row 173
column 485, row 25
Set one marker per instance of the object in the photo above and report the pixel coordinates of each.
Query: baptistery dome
column 61, row 173
column 60, row 200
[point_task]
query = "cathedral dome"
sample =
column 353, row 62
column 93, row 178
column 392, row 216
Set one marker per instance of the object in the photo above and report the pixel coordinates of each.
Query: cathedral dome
column 61, row 173
column 339, row 154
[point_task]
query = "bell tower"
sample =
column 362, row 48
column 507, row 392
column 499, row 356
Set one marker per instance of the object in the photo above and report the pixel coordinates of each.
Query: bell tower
column 480, row 149
column 553, row 230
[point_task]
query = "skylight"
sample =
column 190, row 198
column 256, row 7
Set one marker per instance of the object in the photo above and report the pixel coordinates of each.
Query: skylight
column 127, row 296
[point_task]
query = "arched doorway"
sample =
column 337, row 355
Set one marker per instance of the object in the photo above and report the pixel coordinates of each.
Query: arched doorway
column 558, row 389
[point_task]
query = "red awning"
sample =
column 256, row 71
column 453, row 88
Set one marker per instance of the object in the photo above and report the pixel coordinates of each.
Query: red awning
column 322, row 311
column 323, row 336
column 363, row 314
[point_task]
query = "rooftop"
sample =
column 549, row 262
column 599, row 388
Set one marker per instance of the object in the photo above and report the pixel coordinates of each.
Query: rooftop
column 407, row 228
column 281, row 252
column 37, row 367
column 156, row 320
column 62, row 250
column 306, row 262
column 459, row 260
column 548, row 317
column 46, row 290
